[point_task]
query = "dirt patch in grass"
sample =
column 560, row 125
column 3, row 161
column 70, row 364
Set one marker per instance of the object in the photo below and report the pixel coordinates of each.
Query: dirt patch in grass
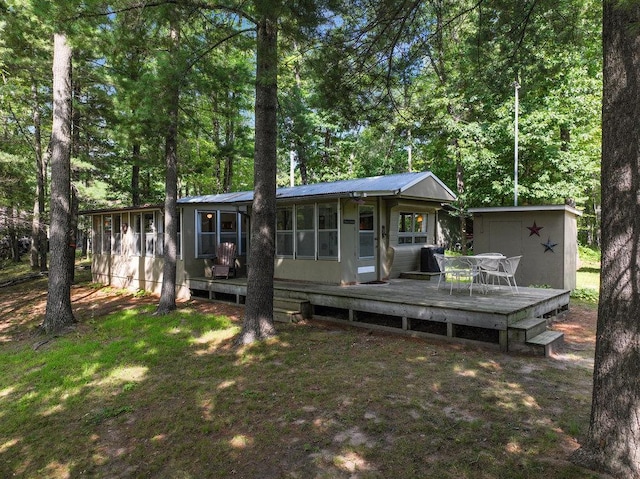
column 579, row 327
column 320, row 401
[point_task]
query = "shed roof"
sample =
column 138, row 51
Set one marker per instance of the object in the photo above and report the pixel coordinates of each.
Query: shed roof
column 525, row 209
column 399, row 185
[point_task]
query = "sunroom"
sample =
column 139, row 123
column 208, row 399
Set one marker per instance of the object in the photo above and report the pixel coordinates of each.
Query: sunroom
column 343, row 232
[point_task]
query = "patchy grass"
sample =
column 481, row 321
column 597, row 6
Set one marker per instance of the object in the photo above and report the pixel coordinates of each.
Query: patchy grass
column 130, row 394
column 10, row 269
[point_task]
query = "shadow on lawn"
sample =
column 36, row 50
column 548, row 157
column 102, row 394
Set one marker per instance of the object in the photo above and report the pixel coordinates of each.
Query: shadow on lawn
column 136, row 395
column 587, row 269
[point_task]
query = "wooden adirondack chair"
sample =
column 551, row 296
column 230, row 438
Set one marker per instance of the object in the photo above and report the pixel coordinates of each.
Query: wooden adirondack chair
column 225, row 261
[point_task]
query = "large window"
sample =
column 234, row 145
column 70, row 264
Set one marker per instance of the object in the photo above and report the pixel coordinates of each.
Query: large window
column 366, row 232
column 284, row 231
column 412, row 228
column 308, row 231
column 206, row 234
column 305, row 231
column 328, row 230
column 215, row 227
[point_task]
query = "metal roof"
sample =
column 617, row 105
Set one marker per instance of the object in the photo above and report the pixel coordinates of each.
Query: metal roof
column 146, row 207
column 373, row 186
column 239, row 197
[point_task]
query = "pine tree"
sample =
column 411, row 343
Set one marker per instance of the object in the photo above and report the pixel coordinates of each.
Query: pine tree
column 613, row 440
column 58, row 312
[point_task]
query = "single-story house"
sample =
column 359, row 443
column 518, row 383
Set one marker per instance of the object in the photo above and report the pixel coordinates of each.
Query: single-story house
column 342, row 232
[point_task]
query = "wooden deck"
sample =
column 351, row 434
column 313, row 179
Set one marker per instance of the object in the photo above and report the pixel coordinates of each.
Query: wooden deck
column 418, row 307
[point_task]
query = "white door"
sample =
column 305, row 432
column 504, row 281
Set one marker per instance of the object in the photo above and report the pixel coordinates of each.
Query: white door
column 366, row 244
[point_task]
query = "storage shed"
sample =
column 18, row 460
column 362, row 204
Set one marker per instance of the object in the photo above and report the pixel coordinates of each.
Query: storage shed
column 545, row 236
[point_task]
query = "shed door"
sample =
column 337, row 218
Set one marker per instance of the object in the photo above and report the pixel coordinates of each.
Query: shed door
column 367, row 251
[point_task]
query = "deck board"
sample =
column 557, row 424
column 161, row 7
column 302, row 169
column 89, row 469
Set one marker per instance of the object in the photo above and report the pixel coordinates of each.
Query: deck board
column 415, row 299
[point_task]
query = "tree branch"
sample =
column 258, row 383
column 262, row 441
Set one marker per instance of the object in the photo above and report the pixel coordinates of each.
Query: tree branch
column 216, row 45
column 180, row 3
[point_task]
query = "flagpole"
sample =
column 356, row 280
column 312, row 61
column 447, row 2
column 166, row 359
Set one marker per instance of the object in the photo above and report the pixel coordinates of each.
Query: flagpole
column 516, row 85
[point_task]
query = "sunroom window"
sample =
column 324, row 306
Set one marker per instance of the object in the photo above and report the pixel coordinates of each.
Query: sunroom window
column 96, row 242
column 328, row 230
column 106, row 234
column 150, row 234
column 284, row 231
column 136, row 228
column 117, row 234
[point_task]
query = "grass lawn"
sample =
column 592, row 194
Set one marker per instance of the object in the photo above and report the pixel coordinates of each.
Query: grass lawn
column 127, row 394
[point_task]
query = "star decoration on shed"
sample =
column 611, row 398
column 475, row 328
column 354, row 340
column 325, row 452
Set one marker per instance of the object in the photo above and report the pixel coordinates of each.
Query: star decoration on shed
column 535, row 229
column 548, row 246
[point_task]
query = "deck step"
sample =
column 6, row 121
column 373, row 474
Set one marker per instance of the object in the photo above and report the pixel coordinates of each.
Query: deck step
column 291, row 310
column 527, row 329
column 286, row 315
column 287, row 303
column 546, row 343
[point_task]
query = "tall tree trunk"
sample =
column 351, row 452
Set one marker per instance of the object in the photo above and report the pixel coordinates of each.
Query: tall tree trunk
column 302, row 165
column 229, row 148
column 460, row 185
column 258, row 318
column 85, row 244
column 73, row 231
column 75, row 122
column 43, row 247
column 12, row 216
column 58, row 312
column 38, row 255
column 135, row 175
column 168, row 292
column 298, row 144
column 613, row 440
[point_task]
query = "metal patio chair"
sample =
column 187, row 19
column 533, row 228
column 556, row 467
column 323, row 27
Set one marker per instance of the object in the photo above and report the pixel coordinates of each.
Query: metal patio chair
column 507, row 271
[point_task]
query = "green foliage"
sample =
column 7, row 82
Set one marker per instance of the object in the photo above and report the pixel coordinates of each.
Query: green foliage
column 448, row 95
column 15, row 180
column 388, row 87
column 589, row 295
column 587, row 253
column 141, row 293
